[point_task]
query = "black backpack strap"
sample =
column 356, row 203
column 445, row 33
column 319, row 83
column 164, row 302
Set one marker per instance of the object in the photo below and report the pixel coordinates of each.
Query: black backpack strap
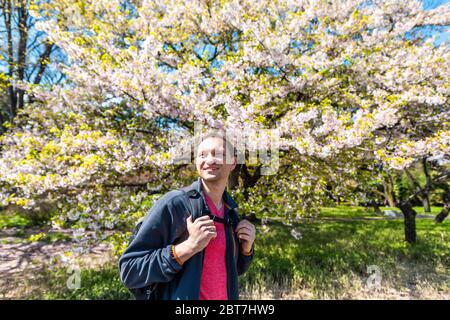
column 200, row 208
column 228, row 221
column 233, row 216
column 195, row 200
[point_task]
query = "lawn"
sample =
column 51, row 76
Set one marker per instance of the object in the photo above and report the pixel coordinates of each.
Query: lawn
column 327, row 258
column 365, row 212
column 331, row 260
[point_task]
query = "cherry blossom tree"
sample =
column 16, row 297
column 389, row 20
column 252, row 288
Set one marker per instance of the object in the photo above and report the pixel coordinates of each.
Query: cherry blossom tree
column 343, row 82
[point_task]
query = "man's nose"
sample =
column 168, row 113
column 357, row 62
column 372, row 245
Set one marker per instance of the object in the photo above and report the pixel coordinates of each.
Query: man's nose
column 210, row 159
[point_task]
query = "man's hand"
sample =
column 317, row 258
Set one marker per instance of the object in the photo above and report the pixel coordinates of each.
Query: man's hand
column 246, row 233
column 201, row 231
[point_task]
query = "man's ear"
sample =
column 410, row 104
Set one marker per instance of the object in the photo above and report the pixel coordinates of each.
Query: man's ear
column 233, row 166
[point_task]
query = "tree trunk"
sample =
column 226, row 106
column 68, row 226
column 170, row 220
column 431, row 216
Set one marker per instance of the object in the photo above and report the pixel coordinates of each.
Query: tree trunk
column 426, row 203
column 22, row 50
column 410, row 221
column 443, row 214
column 249, row 181
column 389, row 191
column 17, row 23
column 233, row 181
column 43, row 62
column 390, row 199
column 425, row 198
column 422, row 192
column 376, row 208
column 8, row 15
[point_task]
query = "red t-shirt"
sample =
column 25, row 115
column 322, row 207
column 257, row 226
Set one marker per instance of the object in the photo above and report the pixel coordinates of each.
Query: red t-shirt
column 213, row 285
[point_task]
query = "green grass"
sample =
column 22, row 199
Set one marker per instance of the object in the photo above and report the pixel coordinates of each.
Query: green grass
column 434, row 210
column 49, row 237
column 333, row 250
column 25, row 228
column 364, row 212
column 14, row 221
column 101, row 284
column 346, row 212
column 325, row 261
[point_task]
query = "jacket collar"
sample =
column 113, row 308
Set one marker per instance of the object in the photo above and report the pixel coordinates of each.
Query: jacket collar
column 227, row 199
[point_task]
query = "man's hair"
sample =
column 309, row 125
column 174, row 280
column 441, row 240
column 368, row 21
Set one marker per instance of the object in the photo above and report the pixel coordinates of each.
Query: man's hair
column 217, row 134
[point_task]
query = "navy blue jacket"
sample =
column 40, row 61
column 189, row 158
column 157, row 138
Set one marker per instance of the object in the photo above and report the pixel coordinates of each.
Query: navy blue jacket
column 149, row 259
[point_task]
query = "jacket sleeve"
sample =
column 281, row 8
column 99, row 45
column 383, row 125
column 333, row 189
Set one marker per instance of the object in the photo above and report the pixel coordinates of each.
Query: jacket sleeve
column 149, row 257
column 244, row 261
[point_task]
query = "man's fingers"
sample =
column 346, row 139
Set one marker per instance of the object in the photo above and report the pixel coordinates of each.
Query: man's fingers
column 248, row 226
column 246, row 229
column 249, row 229
column 211, row 234
column 245, row 237
column 203, row 218
column 208, row 228
column 245, row 224
column 205, row 223
column 244, row 234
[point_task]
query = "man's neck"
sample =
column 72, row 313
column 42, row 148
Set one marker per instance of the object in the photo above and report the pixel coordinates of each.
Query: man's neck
column 214, row 190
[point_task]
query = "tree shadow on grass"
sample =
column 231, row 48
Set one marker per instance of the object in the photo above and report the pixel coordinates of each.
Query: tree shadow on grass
column 329, row 249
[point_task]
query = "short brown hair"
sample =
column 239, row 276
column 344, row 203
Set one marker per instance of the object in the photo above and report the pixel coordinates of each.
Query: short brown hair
column 217, row 134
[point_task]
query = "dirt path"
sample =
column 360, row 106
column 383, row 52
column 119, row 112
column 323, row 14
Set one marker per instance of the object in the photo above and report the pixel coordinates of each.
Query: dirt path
column 21, row 260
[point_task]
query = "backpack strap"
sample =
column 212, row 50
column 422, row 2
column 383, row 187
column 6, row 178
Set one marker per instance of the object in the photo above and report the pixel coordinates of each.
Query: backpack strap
column 233, row 215
column 196, row 201
column 200, row 208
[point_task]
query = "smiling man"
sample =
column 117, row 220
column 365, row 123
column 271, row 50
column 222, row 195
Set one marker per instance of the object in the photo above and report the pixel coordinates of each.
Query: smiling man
column 192, row 245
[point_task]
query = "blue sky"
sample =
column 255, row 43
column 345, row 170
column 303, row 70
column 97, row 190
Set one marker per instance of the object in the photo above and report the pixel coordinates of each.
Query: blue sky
column 444, row 32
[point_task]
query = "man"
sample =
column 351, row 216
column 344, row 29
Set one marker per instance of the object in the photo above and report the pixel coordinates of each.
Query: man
column 182, row 256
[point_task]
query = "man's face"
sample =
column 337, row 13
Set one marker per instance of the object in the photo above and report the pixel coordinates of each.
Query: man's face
column 211, row 160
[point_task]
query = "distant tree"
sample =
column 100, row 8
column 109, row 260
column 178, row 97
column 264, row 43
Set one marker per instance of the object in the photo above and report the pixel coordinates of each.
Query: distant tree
column 25, row 55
